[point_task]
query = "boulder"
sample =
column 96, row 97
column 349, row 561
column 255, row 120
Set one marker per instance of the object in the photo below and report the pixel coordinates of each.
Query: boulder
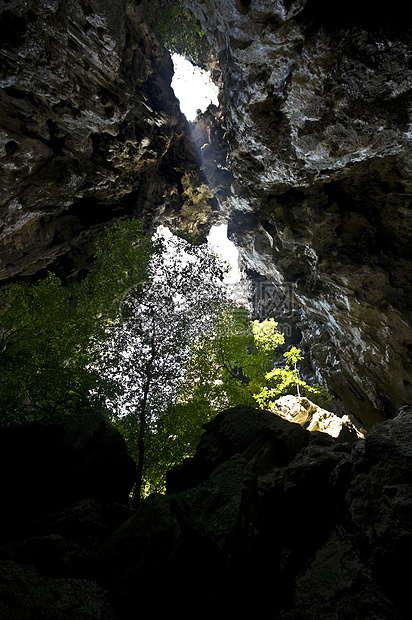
column 235, row 431
column 267, row 516
column 314, row 418
column 49, row 465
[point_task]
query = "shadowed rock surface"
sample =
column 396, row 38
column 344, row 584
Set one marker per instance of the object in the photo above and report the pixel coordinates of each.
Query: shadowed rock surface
column 266, row 514
column 318, row 112
column 90, row 129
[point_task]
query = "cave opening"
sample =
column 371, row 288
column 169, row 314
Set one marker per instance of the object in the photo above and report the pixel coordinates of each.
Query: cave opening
column 307, row 157
column 193, row 87
column 196, row 91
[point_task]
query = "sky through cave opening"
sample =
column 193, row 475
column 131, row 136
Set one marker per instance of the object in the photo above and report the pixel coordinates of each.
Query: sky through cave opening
column 219, row 243
column 193, row 87
column 195, row 91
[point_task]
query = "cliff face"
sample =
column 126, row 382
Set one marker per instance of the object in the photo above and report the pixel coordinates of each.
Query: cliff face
column 88, row 120
column 316, row 186
column 318, row 111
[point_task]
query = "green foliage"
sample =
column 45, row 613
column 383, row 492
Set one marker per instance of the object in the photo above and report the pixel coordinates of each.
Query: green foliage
column 120, row 264
column 234, row 355
column 174, row 439
column 149, row 335
column 46, row 330
column 231, row 364
column 235, row 364
column 178, row 30
column 148, row 348
column 39, row 333
column 282, row 381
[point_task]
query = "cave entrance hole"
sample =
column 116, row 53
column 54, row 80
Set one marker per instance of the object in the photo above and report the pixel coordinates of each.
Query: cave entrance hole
column 193, row 87
column 219, row 243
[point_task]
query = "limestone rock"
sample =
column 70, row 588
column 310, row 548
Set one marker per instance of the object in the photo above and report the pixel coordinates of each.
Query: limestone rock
column 313, row 418
column 318, row 108
column 311, row 530
column 264, row 516
column 148, row 541
column 227, row 435
column 89, row 124
column 308, row 159
column 61, row 483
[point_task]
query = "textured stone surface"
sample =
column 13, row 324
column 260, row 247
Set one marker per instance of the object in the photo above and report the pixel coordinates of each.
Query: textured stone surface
column 89, row 129
column 266, row 515
column 318, row 114
column 312, row 528
column 314, row 418
column 316, row 184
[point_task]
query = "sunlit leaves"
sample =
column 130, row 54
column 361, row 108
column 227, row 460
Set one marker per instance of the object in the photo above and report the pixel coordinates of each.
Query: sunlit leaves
column 266, row 336
column 148, row 347
column 46, row 330
column 237, row 363
column 286, row 380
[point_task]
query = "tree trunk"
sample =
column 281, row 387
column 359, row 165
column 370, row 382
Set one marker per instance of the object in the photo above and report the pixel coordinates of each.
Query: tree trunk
column 140, row 459
column 141, row 441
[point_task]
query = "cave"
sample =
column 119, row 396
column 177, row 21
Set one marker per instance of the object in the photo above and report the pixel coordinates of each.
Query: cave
column 307, row 160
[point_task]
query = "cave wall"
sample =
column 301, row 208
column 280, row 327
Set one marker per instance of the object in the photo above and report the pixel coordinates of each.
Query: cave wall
column 315, row 186
column 318, row 115
column 89, row 130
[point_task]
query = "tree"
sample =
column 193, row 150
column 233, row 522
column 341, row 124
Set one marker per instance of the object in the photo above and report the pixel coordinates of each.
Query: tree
column 284, row 380
column 149, row 345
column 228, row 365
column 46, row 329
column 232, row 364
column 235, row 363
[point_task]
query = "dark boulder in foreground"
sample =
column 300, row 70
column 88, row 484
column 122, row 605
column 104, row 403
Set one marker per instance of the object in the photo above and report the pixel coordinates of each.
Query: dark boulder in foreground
column 266, row 515
column 48, row 465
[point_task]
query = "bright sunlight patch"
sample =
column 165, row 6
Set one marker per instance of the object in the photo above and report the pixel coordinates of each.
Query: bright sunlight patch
column 193, row 87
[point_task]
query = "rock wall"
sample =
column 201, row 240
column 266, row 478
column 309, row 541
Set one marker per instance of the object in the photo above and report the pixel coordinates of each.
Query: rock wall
column 318, row 114
column 315, row 185
column 89, row 130
column 267, row 515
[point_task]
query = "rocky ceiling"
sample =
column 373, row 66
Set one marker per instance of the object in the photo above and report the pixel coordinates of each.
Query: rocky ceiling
column 89, row 130
column 314, row 178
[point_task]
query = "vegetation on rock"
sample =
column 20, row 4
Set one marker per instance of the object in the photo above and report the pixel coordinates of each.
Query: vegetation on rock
column 177, row 29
